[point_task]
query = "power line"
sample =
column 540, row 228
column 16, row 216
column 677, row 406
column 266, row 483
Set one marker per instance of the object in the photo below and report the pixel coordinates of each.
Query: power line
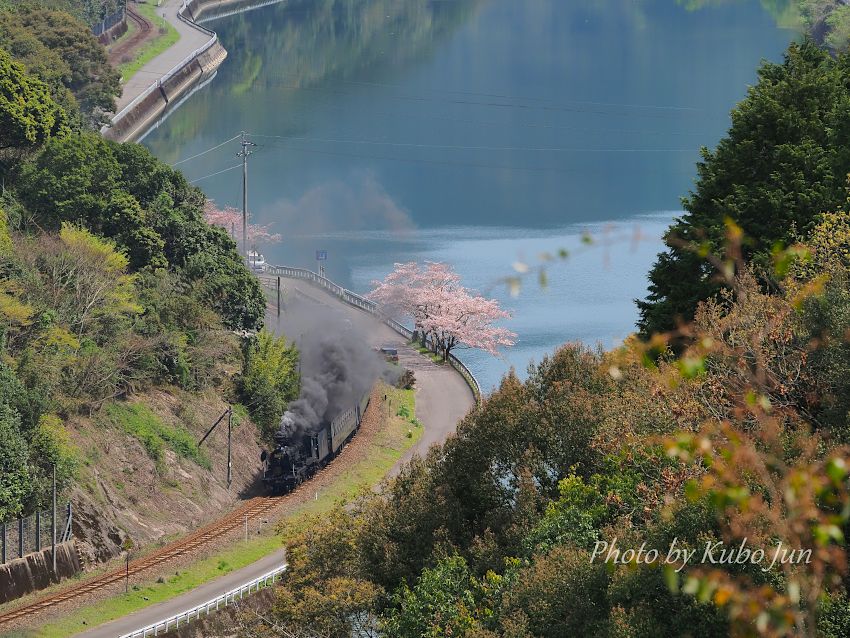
column 588, row 128
column 455, row 147
column 209, row 150
column 658, row 107
column 416, row 160
column 216, row 173
column 502, row 104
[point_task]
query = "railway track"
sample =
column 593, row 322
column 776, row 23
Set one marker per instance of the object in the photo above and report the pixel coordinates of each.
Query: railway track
column 144, row 31
column 202, row 536
column 234, row 520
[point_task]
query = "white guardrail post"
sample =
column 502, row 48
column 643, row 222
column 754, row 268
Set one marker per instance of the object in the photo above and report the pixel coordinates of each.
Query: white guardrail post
column 353, row 299
column 162, row 626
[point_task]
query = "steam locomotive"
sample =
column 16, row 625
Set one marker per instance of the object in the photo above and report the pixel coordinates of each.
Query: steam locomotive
column 295, row 458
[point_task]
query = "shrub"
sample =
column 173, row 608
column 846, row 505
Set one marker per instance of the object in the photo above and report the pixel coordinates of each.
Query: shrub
column 269, row 380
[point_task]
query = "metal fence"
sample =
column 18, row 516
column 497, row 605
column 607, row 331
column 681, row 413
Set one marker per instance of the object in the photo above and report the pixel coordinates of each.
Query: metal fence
column 185, row 617
column 356, row 300
column 34, row 533
column 108, row 22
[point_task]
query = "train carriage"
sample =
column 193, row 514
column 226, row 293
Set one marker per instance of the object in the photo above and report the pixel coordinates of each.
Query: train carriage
column 289, row 464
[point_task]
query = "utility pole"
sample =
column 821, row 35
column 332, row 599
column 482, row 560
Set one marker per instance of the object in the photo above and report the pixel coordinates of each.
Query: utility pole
column 229, row 414
column 53, row 519
column 229, row 436
column 244, row 153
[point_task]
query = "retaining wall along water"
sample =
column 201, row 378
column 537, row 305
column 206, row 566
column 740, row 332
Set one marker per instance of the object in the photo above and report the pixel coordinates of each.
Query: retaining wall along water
column 134, row 119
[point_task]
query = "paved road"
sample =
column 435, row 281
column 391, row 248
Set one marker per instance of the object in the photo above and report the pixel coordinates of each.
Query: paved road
column 442, row 399
column 442, row 396
column 191, row 38
column 198, row 596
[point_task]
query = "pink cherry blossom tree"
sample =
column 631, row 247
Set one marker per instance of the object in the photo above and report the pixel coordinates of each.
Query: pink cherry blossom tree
column 410, row 289
column 442, row 309
column 230, row 219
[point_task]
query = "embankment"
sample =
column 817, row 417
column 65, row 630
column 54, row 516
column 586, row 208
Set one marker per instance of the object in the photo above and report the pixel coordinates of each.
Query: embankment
column 142, row 112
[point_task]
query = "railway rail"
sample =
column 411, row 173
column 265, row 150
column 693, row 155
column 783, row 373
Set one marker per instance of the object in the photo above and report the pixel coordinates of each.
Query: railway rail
column 252, row 508
column 143, row 31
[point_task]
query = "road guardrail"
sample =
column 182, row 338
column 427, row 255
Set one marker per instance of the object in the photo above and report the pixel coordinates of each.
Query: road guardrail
column 228, row 598
column 353, row 299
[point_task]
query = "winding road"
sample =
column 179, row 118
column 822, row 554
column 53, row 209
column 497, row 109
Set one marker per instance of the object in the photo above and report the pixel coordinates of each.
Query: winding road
column 442, row 399
column 442, row 396
column 191, row 38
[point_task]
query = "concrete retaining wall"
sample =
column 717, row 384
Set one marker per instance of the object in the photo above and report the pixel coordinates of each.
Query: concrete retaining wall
column 204, row 10
column 132, row 124
column 35, row 571
column 133, row 121
column 113, row 33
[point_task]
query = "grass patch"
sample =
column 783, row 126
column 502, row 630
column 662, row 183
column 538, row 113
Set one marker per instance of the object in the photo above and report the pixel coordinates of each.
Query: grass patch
column 139, row 422
column 166, row 36
column 382, row 454
column 433, row 356
column 149, row 593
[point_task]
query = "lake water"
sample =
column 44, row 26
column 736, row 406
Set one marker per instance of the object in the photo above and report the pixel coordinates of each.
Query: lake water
column 477, row 132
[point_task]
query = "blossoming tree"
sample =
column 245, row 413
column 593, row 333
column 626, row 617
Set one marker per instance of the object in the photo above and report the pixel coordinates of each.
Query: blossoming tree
column 442, row 309
column 230, row 219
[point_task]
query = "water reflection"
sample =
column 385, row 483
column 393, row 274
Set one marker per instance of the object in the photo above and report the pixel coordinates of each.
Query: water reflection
column 390, row 131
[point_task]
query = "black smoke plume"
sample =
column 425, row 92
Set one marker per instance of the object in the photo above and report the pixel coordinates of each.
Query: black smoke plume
column 338, row 363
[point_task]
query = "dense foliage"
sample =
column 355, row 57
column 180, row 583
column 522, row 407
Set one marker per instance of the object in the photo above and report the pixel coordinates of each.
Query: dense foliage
column 782, row 164
column 89, row 11
column 61, row 51
column 494, row 533
column 739, row 437
column 269, row 380
column 28, row 116
column 111, row 282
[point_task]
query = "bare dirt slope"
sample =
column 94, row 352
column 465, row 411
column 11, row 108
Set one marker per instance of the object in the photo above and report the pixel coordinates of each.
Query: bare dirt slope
column 125, row 497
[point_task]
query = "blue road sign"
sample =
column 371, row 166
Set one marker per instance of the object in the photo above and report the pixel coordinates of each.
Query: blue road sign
column 321, row 255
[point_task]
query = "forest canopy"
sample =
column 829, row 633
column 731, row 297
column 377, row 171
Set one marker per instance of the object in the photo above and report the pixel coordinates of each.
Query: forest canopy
column 111, row 282
column 60, row 50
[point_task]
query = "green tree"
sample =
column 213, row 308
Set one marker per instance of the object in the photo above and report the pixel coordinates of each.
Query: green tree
column 28, row 116
column 269, row 380
column 121, row 192
column 783, row 162
column 443, row 602
column 61, row 50
column 84, row 280
column 14, row 468
column 72, row 179
column 325, row 592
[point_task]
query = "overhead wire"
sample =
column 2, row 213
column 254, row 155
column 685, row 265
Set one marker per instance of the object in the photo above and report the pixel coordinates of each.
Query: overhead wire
column 457, row 147
column 419, row 160
column 586, row 128
column 504, row 104
column 209, row 150
column 659, row 107
column 194, row 181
